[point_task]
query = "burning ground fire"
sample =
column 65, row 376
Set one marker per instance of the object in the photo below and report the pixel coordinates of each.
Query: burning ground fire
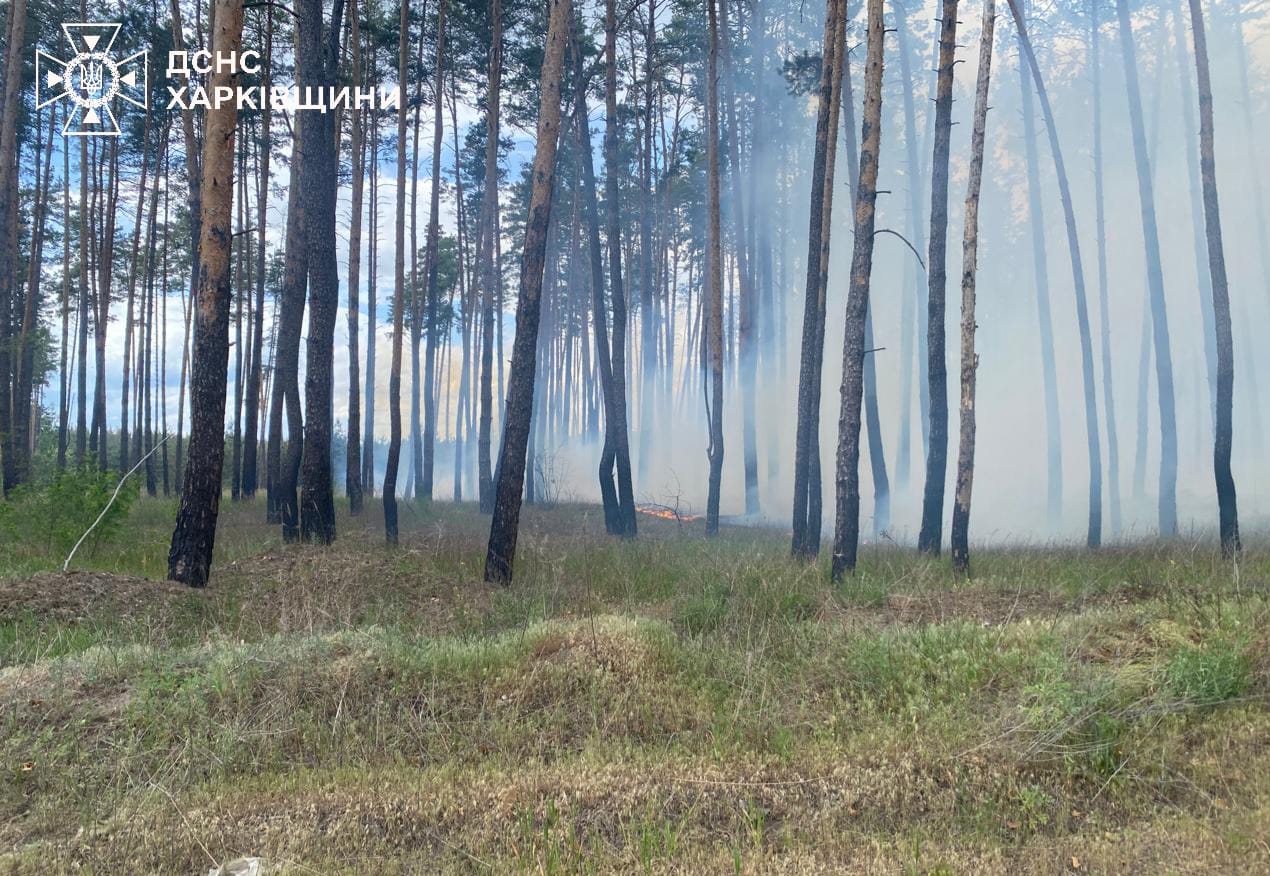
column 667, row 513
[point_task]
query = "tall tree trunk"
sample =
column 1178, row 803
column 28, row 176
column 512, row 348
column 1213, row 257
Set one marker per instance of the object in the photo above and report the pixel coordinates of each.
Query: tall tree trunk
column 930, row 537
column 912, row 292
column 486, row 256
column 603, row 358
column 714, row 246
column 1093, row 534
column 317, row 63
column 434, row 233
column 190, row 557
column 511, row 467
column 1045, row 322
column 64, row 384
column 847, row 521
column 969, row 264
column 1155, row 284
column 368, row 432
column 353, row 459
column 130, row 324
column 747, row 353
column 15, row 40
column 617, row 286
column 250, row 464
column 399, row 300
column 1104, row 306
column 1228, row 514
column 872, row 417
column 807, row 487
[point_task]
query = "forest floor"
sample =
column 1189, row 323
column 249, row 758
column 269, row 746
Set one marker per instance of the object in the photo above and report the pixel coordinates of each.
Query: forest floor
column 669, row 704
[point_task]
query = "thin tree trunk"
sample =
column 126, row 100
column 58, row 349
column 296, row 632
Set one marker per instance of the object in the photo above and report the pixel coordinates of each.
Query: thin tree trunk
column 1104, row 306
column 190, row 557
column 1155, row 285
column 930, row 537
column 1093, row 535
column 617, row 286
column 15, row 40
column 847, row 521
column 511, row 478
column 250, row 464
column 969, row 263
column 807, row 487
column 1228, row 514
column 399, row 301
column 434, row 232
column 1044, row 315
column 486, row 255
column 714, row 246
column 746, row 340
column 604, row 362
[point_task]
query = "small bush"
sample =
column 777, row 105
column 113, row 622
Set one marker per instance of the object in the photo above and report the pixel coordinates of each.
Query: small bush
column 55, row 514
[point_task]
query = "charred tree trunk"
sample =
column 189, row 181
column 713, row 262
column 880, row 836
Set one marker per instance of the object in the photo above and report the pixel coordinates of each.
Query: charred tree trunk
column 969, row 264
column 190, row 557
column 603, row 358
column 930, row 537
column 807, row 487
column 284, row 462
column 511, row 467
column 847, row 521
column 1228, row 514
column 617, row 286
column 317, row 64
column 399, row 302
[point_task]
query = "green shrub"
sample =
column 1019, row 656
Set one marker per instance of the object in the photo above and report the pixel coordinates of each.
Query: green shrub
column 54, row 515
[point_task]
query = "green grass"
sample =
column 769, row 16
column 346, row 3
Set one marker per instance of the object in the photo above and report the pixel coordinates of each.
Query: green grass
column 670, row 704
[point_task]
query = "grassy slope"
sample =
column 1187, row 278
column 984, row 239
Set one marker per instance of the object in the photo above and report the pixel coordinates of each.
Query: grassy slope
column 669, row 704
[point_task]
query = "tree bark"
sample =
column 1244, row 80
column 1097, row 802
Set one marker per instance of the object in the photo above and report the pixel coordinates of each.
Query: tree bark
column 250, row 464
column 317, row 64
column 15, row 39
column 930, row 537
column 434, row 232
column 714, row 245
column 807, row 498
column 969, row 263
column 487, row 251
column 847, row 520
column 190, row 557
column 511, row 477
column 399, row 300
column 617, row 285
column 1227, row 509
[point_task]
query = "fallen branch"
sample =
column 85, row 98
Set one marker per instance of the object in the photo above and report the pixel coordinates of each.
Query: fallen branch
column 114, row 496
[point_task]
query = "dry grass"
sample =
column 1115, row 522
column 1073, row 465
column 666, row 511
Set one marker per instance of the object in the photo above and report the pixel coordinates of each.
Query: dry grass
column 669, row 705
